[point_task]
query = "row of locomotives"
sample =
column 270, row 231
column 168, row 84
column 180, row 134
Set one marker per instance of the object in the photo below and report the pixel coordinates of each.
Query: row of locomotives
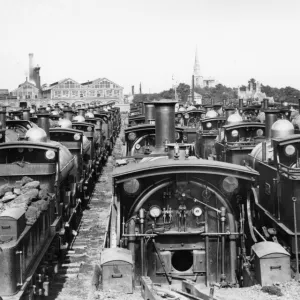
column 176, row 217
column 140, row 139
column 273, row 207
column 44, row 186
column 38, row 212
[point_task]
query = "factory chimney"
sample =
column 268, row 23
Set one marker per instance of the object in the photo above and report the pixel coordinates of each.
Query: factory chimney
column 31, row 79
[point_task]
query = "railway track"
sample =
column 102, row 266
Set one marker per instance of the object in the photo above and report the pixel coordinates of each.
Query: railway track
column 74, row 277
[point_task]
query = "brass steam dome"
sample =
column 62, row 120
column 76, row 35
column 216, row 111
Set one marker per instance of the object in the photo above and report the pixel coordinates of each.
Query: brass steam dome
column 282, row 129
column 37, row 135
column 234, row 118
column 65, row 123
column 32, row 111
column 89, row 115
column 296, row 121
column 211, row 114
column 54, row 113
column 181, row 109
column 192, row 107
column 79, row 119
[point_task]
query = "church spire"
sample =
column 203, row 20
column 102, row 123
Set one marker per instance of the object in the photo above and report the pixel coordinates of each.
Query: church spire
column 197, row 64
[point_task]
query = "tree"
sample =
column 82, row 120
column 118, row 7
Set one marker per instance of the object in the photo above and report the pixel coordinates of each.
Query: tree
column 253, row 81
column 183, row 91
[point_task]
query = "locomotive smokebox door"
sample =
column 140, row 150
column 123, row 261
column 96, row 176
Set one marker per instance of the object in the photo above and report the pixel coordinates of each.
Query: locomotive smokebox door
column 272, row 263
column 117, row 270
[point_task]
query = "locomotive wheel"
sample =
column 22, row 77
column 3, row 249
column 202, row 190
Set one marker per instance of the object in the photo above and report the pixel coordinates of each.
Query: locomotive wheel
column 250, row 211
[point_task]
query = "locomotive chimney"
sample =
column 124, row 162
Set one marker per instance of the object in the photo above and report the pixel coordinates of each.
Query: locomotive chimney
column 149, row 113
column 43, row 122
column 241, row 103
column 68, row 113
column 271, row 118
column 265, row 103
column 3, row 117
column 81, row 111
column 26, row 114
column 142, row 108
column 164, row 123
column 229, row 111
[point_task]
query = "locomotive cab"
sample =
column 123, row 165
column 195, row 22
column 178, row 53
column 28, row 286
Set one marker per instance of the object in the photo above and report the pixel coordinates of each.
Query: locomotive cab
column 237, row 140
column 140, row 140
column 207, row 134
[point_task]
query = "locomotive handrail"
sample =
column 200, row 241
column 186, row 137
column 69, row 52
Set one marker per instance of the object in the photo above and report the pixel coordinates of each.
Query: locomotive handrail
column 160, row 166
column 243, row 124
column 65, row 130
column 289, row 171
column 26, row 144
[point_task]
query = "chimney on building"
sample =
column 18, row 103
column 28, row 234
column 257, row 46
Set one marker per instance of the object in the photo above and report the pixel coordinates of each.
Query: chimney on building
column 36, row 77
column 31, row 76
column 140, row 88
column 132, row 90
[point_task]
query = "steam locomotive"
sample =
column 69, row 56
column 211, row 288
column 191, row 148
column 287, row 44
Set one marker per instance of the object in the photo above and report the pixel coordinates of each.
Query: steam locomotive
column 46, row 178
column 214, row 215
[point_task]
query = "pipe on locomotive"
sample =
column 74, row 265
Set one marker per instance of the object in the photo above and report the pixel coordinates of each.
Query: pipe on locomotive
column 43, row 122
column 26, row 114
column 164, row 124
column 271, row 118
column 3, row 116
column 149, row 112
column 68, row 113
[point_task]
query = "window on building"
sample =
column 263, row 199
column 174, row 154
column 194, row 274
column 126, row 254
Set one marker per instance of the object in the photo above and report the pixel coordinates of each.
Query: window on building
column 109, row 93
column 92, row 93
column 105, row 84
column 65, row 93
column 82, row 93
column 57, row 94
column 74, row 94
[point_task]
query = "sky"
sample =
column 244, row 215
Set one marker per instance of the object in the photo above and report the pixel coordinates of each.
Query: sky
column 133, row 41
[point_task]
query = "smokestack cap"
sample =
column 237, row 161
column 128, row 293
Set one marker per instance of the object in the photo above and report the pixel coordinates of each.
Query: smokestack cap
column 164, row 101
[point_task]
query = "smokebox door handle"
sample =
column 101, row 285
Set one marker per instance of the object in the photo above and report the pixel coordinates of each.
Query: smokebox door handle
column 5, row 227
column 116, row 275
column 275, row 267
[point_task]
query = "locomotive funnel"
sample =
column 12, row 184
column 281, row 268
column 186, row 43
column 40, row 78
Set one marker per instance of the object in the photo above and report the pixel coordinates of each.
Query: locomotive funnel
column 26, row 114
column 149, row 112
column 271, row 118
column 68, row 113
column 229, row 111
column 241, row 103
column 3, row 116
column 164, row 124
column 43, row 122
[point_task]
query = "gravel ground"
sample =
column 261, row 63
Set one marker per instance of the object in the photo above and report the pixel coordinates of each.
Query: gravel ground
column 290, row 291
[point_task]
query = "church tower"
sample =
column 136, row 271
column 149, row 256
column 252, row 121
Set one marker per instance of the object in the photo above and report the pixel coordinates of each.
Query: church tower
column 198, row 79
